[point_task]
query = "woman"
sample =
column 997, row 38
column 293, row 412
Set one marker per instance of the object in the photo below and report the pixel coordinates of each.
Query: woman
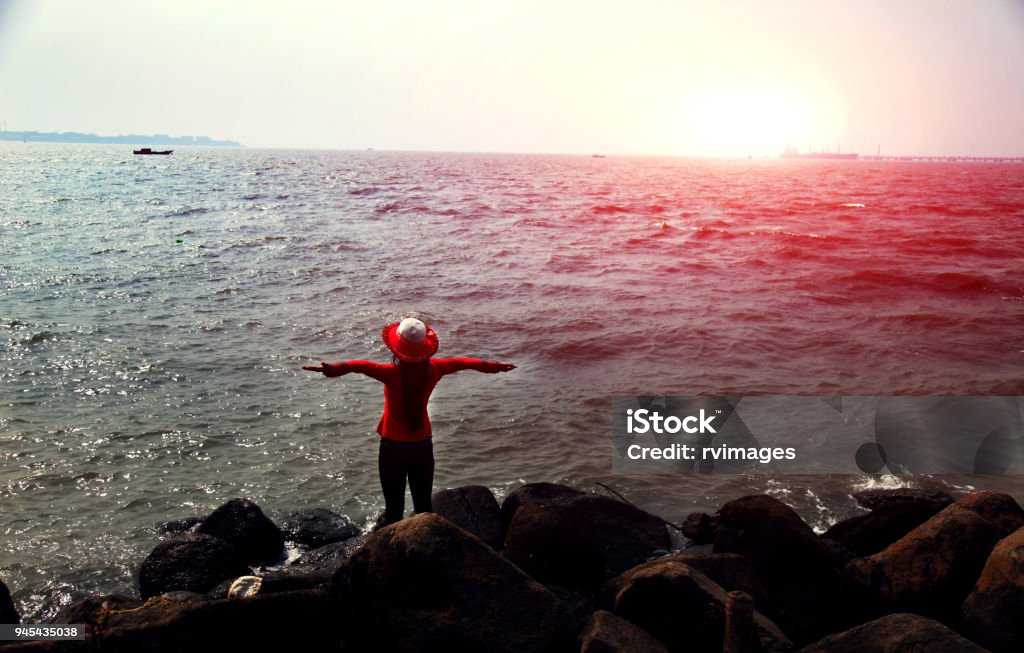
column 406, row 448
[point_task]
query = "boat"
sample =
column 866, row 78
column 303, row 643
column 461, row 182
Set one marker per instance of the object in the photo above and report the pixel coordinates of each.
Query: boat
column 147, row 150
column 791, row 153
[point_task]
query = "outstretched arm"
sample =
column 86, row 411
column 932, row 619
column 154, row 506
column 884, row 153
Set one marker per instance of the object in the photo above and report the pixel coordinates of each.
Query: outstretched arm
column 328, row 369
column 492, row 367
column 369, row 368
column 452, row 365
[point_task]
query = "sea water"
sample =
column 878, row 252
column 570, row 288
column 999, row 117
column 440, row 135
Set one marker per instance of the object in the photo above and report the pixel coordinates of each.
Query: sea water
column 155, row 313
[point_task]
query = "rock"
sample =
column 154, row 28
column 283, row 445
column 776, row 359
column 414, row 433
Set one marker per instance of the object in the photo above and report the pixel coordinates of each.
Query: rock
column 798, row 572
column 284, row 621
column 331, row 556
column 534, row 493
column 903, row 497
column 840, row 554
column 870, row 533
column 424, row 584
column 730, row 572
column 244, row 587
column 8, row 613
column 700, row 527
column 182, row 596
column 577, row 608
column 317, row 527
column 241, row 523
column 579, row 540
column 999, row 508
column 474, row 509
column 192, row 562
column 293, row 578
column 607, row 633
column 727, row 570
column 550, row 544
column 176, row 526
column 681, row 607
column 931, row 569
column 93, row 609
column 896, row 633
column 992, row 611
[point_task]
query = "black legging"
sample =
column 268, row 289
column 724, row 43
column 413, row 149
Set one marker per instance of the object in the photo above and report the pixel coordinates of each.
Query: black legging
column 398, row 460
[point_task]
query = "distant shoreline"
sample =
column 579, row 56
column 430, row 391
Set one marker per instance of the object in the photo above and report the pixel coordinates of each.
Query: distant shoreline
column 206, row 141
column 127, row 139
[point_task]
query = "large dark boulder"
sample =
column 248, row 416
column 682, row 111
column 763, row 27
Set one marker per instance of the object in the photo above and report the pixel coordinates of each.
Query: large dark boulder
column 192, row 562
column 551, row 544
column 999, row 508
column 316, row 527
column 870, row 533
column 931, row 569
column 992, row 611
column 474, row 509
column 242, row 524
column 607, row 633
column 799, row 573
column 536, row 493
column 577, row 539
column 896, row 633
column 681, row 607
column 424, row 584
column 8, row 613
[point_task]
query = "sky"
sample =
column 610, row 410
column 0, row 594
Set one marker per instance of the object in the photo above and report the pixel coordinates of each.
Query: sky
column 668, row 77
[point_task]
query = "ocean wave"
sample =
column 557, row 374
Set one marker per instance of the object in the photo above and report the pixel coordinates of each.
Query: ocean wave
column 40, row 337
column 188, row 211
column 369, row 190
column 604, row 209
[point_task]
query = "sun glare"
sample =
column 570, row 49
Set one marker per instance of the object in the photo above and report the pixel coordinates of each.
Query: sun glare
column 741, row 122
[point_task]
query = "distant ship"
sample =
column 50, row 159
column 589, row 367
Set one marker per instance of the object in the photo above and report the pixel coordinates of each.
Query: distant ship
column 147, row 150
column 791, row 153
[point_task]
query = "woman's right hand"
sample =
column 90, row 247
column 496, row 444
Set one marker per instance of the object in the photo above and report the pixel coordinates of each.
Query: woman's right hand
column 326, row 369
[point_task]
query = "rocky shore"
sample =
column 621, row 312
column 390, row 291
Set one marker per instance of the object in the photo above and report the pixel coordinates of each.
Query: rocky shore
column 554, row 569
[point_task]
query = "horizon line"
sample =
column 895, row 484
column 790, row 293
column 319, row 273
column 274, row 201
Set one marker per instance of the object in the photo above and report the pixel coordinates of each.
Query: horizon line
column 208, row 141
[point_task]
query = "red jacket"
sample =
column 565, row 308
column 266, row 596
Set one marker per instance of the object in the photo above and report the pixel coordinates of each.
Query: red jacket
column 390, row 425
